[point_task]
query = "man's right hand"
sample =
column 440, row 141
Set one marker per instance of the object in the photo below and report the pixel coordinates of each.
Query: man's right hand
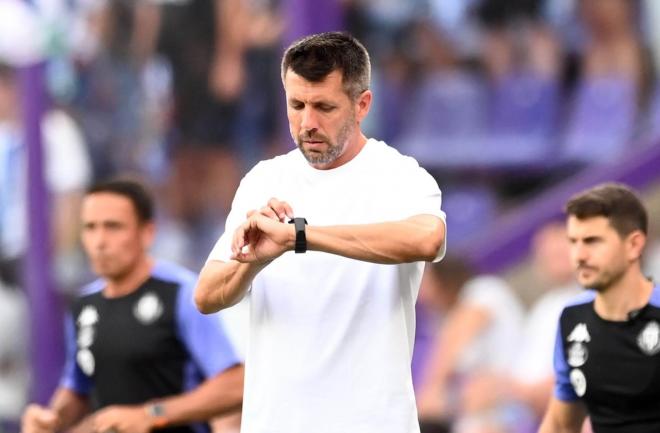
column 39, row 419
column 261, row 239
column 275, row 209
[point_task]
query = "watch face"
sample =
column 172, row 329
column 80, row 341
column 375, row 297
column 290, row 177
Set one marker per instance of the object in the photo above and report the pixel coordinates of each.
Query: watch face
column 301, row 239
column 156, row 410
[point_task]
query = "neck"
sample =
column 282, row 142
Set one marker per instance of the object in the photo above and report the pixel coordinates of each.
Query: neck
column 630, row 293
column 126, row 284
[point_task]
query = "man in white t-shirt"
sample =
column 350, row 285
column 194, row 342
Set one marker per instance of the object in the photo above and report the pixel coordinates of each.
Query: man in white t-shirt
column 331, row 330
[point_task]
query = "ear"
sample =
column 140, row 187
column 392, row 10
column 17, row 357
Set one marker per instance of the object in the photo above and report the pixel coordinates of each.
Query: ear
column 635, row 243
column 147, row 234
column 362, row 105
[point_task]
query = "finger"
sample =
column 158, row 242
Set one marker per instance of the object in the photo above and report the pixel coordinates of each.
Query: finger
column 245, row 255
column 288, row 210
column 269, row 212
column 34, row 428
column 281, row 208
column 250, row 213
column 238, row 241
column 47, row 419
column 38, row 419
column 43, row 417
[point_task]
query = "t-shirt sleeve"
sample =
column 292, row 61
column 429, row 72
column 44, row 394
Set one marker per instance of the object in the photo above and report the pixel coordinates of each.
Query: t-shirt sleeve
column 245, row 199
column 72, row 377
column 563, row 389
column 420, row 194
column 203, row 336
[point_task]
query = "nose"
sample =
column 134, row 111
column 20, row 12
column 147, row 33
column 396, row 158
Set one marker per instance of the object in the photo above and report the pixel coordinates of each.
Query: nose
column 98, row 239
column 309, row 121
column 579, row 253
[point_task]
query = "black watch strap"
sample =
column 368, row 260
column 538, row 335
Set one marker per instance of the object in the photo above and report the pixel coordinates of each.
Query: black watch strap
column 301, row 239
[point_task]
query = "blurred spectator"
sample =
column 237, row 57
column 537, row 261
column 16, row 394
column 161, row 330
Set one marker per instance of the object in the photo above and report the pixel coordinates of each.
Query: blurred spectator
column 521, row 56
column 530, row 379
column 479, row 336
column 67, row 173
column 606, row 102
column 651, row 14
column 13, row 354
column 652, row 260
column 219, row 52
column 434, row 302
column 113, row 42
column 381, row 24
column 448, row 103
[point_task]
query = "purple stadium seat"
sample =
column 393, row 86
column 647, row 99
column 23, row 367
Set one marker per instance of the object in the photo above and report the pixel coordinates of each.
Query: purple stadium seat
column 468, row 209
column 522, row 121
column 525, row 104
column 602, row 120
column 652, row 133
column 448, row 119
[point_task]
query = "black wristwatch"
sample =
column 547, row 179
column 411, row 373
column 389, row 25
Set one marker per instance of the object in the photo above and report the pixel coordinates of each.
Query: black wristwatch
column 301, row 239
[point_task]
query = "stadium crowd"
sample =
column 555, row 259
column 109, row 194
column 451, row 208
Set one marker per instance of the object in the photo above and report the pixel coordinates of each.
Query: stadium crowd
column 498, row 99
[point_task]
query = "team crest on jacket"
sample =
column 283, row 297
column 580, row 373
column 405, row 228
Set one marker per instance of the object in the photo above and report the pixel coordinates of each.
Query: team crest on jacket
column 649, row 339
column 578, row 381
column 148, row 309
column 577, row 354
column 579, row 334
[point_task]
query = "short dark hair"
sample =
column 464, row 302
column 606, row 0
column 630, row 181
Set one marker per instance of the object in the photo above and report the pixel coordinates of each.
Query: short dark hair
column 315, row 57
column 137, row 193
column 614, row 201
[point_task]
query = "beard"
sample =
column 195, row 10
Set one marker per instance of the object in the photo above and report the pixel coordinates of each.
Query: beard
column 335, row 148
column 603, row 279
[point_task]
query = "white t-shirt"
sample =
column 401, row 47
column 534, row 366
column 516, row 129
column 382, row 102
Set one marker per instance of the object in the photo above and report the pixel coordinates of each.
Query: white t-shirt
column 331, row 338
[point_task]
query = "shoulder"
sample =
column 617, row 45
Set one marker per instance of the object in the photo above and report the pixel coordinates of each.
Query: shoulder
column 385, row 153
column 655, row 297
column 389, row 161
column 92, row 288
column 173, row 273
column 575, row 309
column 275, row 164
column 579, row 301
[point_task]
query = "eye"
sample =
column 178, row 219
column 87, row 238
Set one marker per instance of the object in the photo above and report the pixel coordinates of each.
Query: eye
column 113, row 225
column 296, row 105
column 326, row 108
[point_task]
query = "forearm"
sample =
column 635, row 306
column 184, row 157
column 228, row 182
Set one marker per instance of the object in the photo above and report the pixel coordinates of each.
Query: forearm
column 414, row 239
column 223, row 284
column 563, row 417
column 550, row 426
column 69, row 407
column 216, row 396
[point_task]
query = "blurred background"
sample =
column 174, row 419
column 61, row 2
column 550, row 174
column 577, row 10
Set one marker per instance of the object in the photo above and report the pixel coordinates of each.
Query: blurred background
column 513, row 105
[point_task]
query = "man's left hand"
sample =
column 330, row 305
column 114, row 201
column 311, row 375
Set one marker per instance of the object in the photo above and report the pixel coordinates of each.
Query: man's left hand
column 122, row 419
